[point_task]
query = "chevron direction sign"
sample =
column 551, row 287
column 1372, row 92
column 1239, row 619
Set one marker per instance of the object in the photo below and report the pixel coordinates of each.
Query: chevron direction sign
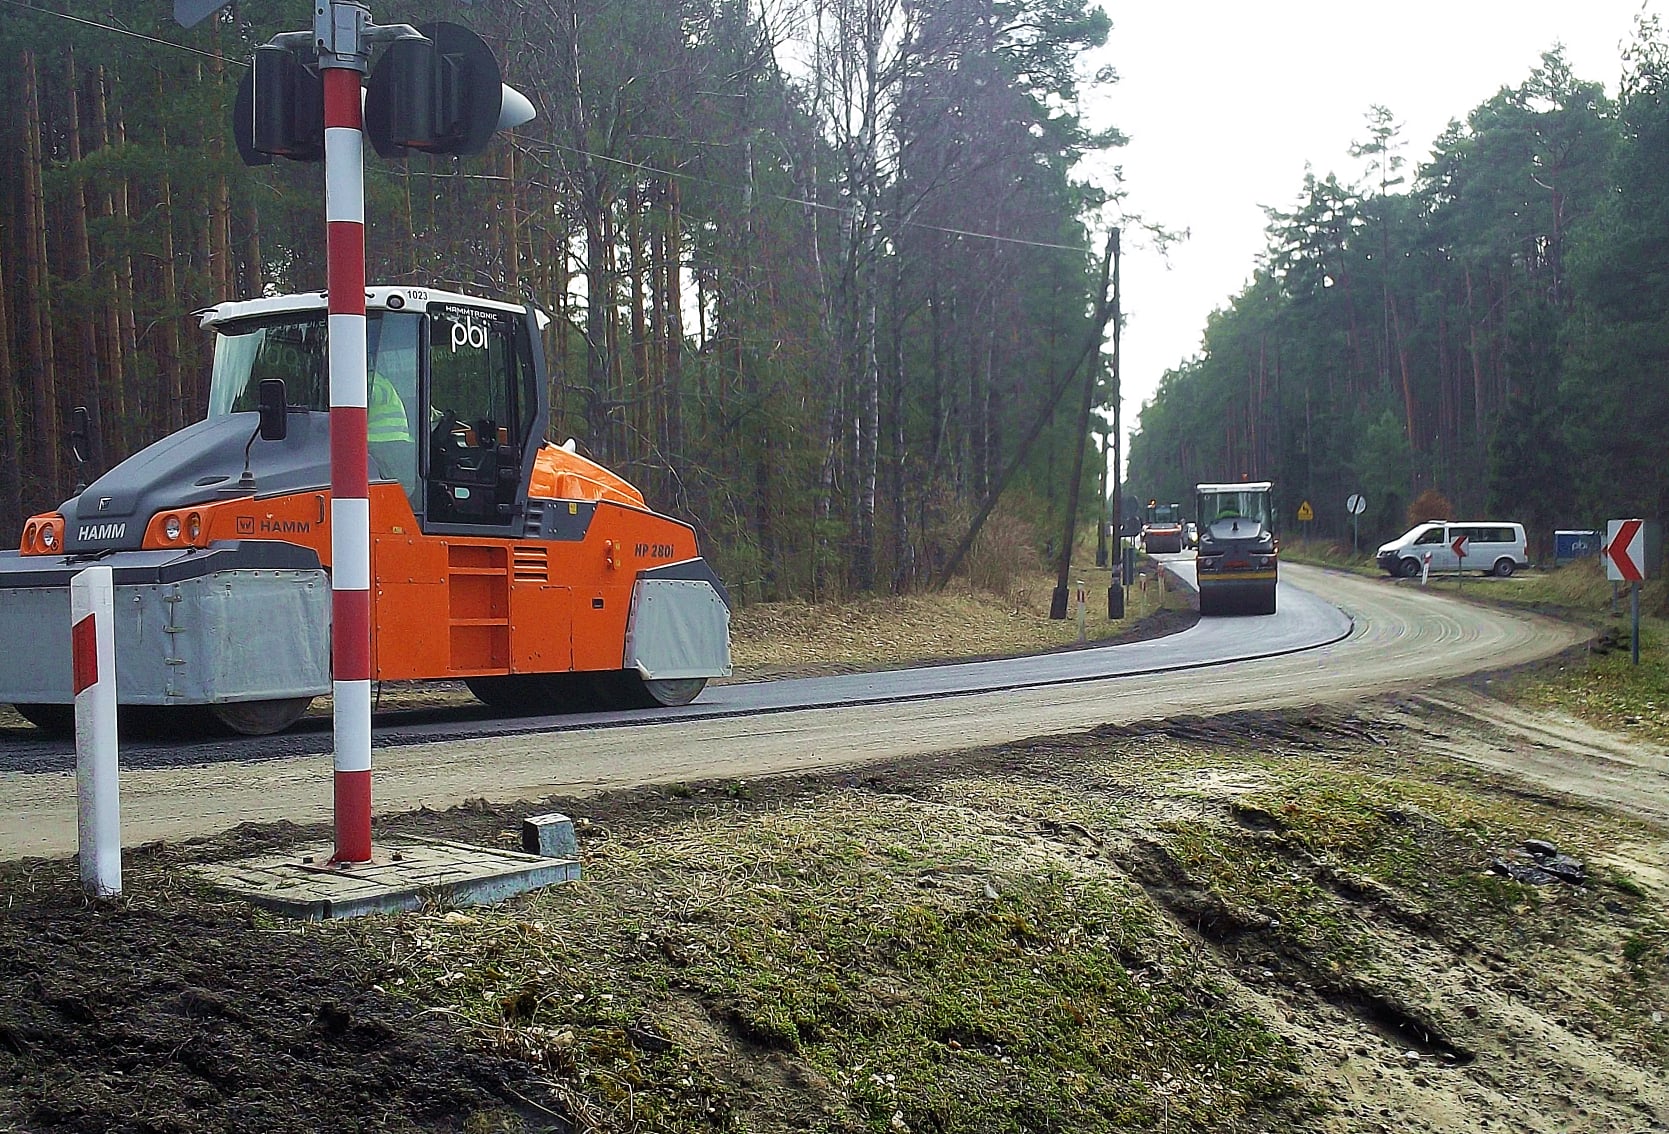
column 1629, row 545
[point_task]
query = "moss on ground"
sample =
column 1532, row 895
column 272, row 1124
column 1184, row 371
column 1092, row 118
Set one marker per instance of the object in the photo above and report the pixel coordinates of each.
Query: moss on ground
column 897, row 963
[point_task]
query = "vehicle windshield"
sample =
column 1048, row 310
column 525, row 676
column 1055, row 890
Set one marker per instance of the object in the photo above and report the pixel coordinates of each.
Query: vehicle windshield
column 1433, row 532
column 1248, row 505
column 293, row 347
column 1164, row 514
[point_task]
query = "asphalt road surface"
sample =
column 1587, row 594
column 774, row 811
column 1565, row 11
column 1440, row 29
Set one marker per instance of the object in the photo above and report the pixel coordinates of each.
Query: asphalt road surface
column 1335, row 637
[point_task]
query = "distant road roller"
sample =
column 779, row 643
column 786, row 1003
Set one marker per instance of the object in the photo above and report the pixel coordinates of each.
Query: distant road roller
column 535, row 575
column 1162, row 533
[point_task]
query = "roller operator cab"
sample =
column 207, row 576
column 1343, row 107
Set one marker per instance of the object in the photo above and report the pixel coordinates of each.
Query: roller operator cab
column 536, row 576
column 1237, row 559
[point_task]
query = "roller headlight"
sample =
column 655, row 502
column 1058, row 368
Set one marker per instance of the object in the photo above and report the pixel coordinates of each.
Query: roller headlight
column 171, row 528
column 49, row 537
column 193, row 527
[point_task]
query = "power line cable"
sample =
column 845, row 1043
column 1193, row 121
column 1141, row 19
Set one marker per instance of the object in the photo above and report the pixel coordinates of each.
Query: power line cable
column 642, row 167
column 121, row 31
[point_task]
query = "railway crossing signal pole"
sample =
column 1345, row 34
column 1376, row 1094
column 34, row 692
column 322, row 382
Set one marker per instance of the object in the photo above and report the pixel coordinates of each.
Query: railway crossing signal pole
column 344, row 56
column 438, row 89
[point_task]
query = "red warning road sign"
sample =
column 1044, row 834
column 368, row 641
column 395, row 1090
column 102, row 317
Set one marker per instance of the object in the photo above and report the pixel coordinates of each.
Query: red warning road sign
column 1459, row 546
column 1625, row 550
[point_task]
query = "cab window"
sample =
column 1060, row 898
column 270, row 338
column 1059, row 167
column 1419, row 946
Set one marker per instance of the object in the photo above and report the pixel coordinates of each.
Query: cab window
column 1429, row 536
column 480, row 407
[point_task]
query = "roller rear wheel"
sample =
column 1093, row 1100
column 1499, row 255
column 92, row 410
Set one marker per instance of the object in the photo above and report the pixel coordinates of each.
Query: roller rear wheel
column 675, row 691
column 627, row 689
column 58, row 720
column 260, row 718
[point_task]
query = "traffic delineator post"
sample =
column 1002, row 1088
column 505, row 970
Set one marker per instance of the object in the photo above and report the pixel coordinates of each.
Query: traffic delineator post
column 97, row 778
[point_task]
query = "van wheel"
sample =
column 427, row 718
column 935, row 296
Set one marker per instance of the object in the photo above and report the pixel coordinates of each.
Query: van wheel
column 1411, row 568
column 1504, row 567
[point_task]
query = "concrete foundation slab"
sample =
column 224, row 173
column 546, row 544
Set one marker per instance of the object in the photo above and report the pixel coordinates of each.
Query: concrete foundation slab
column 403, row 874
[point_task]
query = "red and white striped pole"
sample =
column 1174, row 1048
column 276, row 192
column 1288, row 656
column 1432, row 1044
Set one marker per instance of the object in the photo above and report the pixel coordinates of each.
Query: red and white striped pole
column 342, row 59
column 97, row 780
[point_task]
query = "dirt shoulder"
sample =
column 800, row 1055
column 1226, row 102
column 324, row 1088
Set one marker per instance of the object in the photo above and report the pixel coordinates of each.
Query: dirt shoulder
column 1258, row 921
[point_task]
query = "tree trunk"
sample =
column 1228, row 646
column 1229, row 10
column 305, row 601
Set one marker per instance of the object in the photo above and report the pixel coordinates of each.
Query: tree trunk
column 1477, row 365
column 11, row 433
column 46, row 452
column 512, row 226
column 173, row 412
column 126, row 345
column 84, row 386
column 674, row 346
column 641, row 401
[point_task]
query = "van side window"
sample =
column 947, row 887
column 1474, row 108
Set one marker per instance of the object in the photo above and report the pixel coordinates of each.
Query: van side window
column 1435, row 535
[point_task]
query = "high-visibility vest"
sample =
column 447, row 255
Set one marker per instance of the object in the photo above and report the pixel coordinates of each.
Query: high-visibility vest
column 387, row 412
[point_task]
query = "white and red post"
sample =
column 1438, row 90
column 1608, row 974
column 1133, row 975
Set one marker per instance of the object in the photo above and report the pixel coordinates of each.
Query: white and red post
column 350, row 506
column 93, row 666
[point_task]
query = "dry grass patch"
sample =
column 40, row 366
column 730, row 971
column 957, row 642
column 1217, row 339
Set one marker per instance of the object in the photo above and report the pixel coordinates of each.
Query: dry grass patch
column 881, row 632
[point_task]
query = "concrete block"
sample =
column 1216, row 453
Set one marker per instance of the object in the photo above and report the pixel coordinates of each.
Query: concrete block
column 550, row 836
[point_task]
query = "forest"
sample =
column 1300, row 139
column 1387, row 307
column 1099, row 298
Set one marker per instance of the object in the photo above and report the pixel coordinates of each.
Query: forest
column 1491, row 324
column 819, row 273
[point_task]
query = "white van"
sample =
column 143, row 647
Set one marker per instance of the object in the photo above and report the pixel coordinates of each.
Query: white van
column 1493, row 548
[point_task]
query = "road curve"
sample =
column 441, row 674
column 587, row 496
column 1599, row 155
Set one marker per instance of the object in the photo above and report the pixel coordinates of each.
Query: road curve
column 1389, row 637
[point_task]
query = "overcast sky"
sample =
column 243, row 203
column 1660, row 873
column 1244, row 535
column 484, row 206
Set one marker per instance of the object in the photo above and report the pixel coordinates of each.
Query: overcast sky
column 1226, row 102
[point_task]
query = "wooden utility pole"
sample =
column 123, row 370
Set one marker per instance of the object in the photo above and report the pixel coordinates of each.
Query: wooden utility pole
column 1115, row 591
column 1103, row 311
column 1101, row 521
column 1063, row 565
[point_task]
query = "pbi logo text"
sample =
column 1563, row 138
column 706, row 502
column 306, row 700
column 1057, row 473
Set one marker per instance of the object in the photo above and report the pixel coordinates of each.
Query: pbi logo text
column 100, row 532
column 469, row 334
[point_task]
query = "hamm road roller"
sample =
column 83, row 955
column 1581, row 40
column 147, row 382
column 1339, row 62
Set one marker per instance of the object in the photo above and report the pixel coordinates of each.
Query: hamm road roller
column 533, row 574
column 1238, row 562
